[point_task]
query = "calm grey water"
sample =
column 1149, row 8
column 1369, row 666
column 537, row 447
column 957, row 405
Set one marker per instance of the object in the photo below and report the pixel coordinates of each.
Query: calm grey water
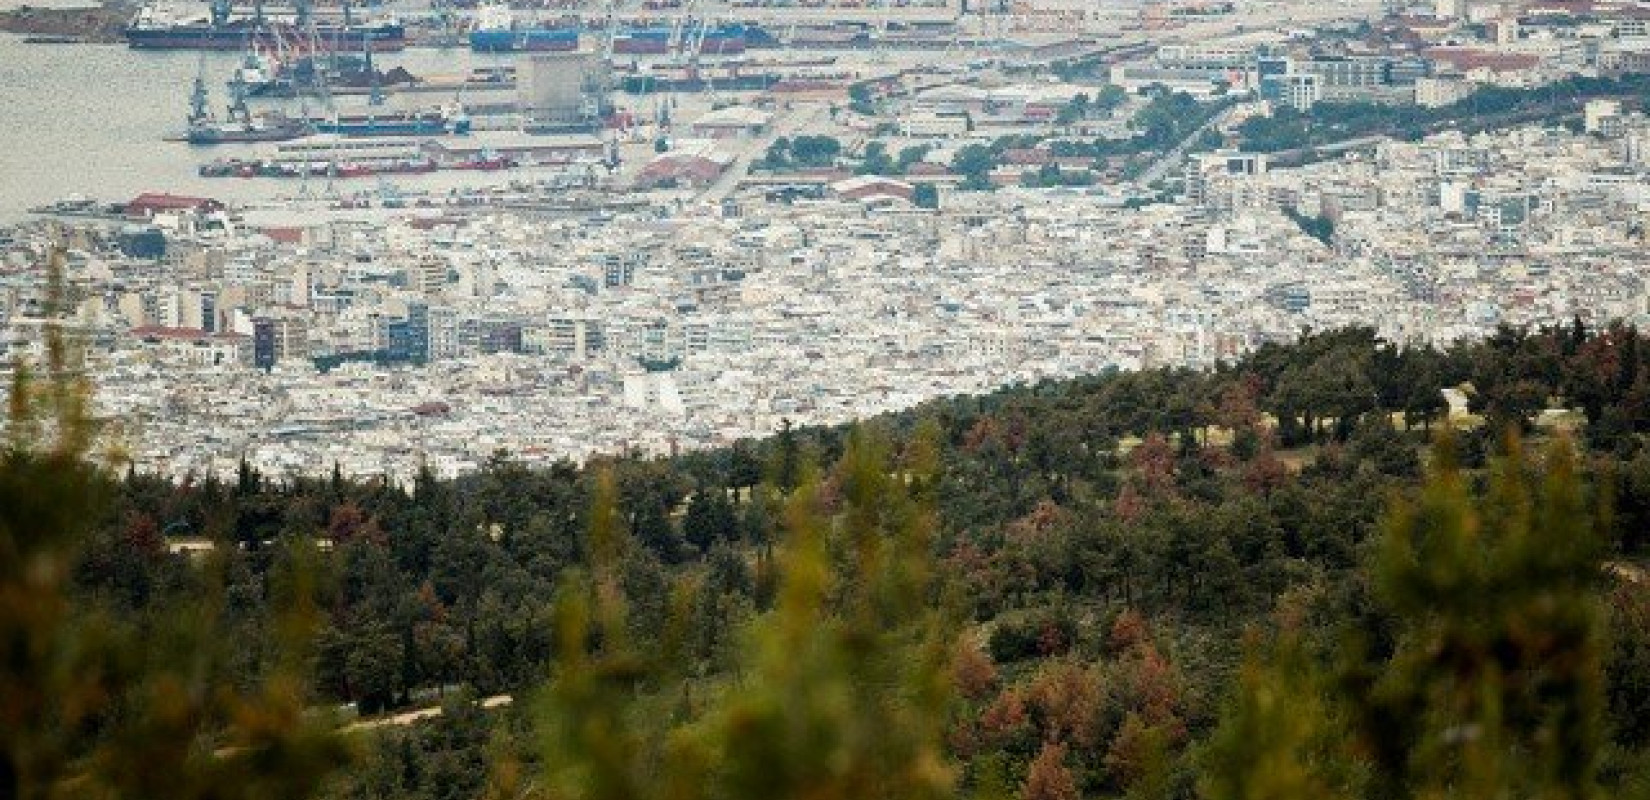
column 6, row 5
column 89, row 120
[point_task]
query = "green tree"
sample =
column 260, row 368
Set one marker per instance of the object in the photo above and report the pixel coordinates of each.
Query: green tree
column 861, row 99
column 1278, row 738
column 910, row 157
column 710, row 518
column 1110, row 97
column 371, row 668
column 1490, row 682
column 1499, row 634
column 1320, row 228
column 651, row 526
column 876, row 160
column 845, row 682
column 974, row 163
column 815, row 151
column 1073, row 111
column 92, row 704
column 778, row 155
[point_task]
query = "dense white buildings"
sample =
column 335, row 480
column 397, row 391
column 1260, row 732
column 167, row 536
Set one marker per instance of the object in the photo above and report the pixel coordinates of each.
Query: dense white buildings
column 444, row 342
column 683, row 307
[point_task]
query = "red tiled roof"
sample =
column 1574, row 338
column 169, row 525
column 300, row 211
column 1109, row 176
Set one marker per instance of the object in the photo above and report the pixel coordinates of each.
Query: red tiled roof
column 690, row 167
column 1466, row 59
column 160, row 201
column 285, row 235
column 1026, row 155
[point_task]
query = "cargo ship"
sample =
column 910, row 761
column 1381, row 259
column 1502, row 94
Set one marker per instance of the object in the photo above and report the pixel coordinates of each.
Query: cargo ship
column 660, row 39
column 154, row 28
column 333, row 157
column 497, row 31
column 450, row 121
column 328, row 157
column 242, row 168
column 810, row 36
column 261, row 128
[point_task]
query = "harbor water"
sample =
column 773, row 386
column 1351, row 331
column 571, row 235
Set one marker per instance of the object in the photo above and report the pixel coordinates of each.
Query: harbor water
column 8, row 5
column 91, row 120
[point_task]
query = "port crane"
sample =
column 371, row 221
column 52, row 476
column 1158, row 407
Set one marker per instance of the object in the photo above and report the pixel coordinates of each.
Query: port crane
column 688, row 42
column 238, row 110
column 446, row 18
column 610, row 31
column 198, row 97
column 678, row 31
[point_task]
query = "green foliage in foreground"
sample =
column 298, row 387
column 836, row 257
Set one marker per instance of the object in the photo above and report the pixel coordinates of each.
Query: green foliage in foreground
column 1239, row 584
column 1489, row 681
column 97, row 704
column 841, row 691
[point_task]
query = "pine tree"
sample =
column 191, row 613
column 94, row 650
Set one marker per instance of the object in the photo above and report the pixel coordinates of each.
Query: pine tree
column 1497, row 676
column 841, row 692
column 1048, row 778
column 92, row 705
column 1493, row 684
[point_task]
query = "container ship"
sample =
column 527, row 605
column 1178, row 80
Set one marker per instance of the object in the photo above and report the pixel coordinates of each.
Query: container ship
column 497, row 31
column 152, row 28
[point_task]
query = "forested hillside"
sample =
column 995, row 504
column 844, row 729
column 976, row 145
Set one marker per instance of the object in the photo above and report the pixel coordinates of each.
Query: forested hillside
column 1296, row 576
